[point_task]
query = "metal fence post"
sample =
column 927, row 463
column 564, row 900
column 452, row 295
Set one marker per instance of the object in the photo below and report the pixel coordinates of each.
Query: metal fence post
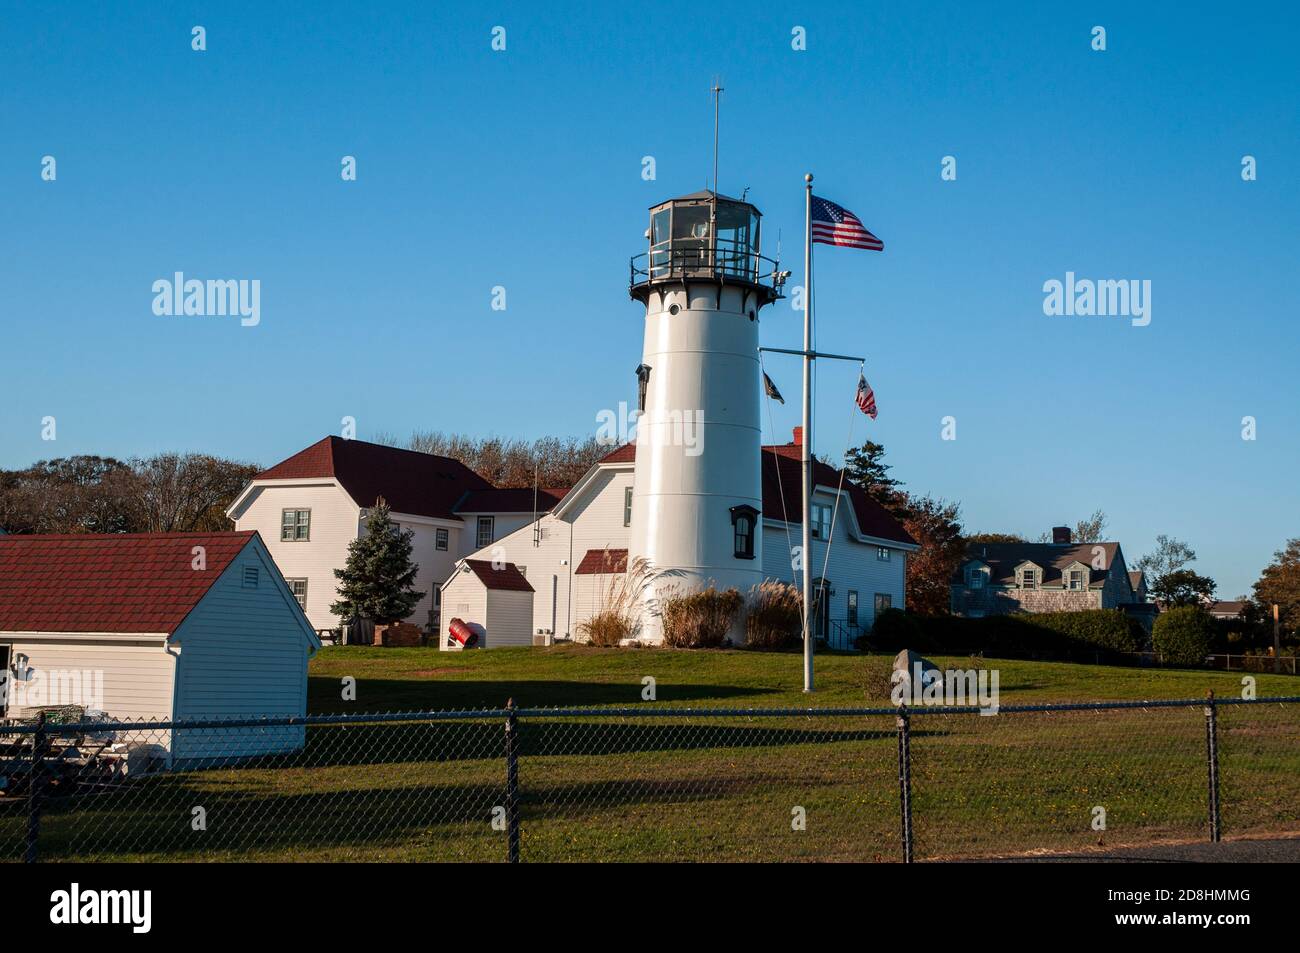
column 1212, row 763
column 35, row 789
column 905, row 779
column 512, row 783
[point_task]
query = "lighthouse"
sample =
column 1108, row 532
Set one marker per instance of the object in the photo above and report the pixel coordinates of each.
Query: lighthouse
column 697, row 492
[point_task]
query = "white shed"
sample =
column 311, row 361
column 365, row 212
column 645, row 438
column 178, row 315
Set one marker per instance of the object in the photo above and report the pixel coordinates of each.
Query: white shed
column 494, row 601
column 155, row 626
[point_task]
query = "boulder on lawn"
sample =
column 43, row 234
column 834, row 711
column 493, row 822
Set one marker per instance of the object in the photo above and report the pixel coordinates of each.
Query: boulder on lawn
column 910, row 663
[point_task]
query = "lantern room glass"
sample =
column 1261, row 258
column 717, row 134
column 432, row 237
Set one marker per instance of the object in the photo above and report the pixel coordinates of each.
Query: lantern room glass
column 682, row 240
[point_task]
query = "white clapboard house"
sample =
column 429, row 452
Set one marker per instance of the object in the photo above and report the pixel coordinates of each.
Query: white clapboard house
column 155, row 627
column 309, row 507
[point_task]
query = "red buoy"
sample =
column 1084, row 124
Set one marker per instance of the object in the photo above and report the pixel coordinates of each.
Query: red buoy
column 462, row 633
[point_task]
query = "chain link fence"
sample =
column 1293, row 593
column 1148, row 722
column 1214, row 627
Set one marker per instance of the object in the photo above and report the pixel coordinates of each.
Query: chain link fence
column 652, row 783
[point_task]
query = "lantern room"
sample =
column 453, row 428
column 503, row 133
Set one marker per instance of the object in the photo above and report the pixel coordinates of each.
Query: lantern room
column 705, row 236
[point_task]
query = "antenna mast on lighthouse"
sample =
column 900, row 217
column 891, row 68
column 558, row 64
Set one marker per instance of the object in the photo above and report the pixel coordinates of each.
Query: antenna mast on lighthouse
column 716, row 90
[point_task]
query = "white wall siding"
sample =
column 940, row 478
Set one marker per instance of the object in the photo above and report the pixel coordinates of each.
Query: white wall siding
column 334, row 524
column 503, row 524
column 137, row 680
column 464, row 597
column 853, row 566
column 243, row 652
column 598, row 517
column 509, row 617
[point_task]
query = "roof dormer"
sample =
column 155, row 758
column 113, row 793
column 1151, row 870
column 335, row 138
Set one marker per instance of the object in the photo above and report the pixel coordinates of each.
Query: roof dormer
column 976, row 574
column 1077, row 576
column 1029, row 575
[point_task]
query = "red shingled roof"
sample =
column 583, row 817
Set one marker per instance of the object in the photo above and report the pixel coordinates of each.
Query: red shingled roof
column 624, row 454
column 602, row 561
column 138, row 582
column 509, row 501
column 783, row 479
column 421, row 484
column 507, row 577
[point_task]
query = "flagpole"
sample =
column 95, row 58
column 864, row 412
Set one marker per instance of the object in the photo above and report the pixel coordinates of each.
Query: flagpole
column 805, row 455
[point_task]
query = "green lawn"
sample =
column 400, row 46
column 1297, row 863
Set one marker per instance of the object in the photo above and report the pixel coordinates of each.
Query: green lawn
column 689, row 788
column 423, row 679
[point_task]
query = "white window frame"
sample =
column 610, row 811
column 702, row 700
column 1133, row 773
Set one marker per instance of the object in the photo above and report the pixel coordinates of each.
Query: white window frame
column 300, row 529
column 883, row 554
column 851, row 607
column 627, row 506
column 491, row 523
column 1029, row 573
column 295, row 581
column 1076, row 576
column 821, row 521
column 441, row 539
column 975, row 579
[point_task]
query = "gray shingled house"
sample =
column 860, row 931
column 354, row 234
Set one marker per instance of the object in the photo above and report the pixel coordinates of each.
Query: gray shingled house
column 1060, row 576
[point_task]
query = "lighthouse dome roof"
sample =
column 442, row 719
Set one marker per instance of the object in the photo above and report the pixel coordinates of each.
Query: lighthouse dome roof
column 706, row 195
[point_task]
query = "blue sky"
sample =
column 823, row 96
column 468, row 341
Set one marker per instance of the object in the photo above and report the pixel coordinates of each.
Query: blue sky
column 523, row 169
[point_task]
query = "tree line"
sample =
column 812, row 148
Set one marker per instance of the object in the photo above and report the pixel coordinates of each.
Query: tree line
column 509, row 461
column 168, row 492
column 189, row 492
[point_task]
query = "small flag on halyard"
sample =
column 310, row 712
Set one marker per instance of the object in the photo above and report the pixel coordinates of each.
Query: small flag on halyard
column 835, row 225
column 770, row 389
column 866, row 399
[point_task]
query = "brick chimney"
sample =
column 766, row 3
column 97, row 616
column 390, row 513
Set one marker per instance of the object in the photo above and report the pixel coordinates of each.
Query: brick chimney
column 798, row 436
column 1061, row 535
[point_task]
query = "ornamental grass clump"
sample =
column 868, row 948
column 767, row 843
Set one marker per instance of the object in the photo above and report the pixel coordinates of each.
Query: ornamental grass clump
column 775, row 617
column 700, row 620
column 620, row 602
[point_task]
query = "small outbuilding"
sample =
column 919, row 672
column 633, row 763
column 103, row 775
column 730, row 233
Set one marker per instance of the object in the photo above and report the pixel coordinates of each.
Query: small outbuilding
column 494, row 600
column 155, row 627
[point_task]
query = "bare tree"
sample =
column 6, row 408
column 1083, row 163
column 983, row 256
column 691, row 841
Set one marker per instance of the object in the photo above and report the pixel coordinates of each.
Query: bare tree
column 512, row 462
column 185, row 492
column 90, row 494
column 80, row 494
column 1169, row 556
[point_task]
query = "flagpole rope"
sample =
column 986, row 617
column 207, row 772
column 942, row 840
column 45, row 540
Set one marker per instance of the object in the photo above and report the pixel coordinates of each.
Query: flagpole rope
column 839, row 490
column 776, row 458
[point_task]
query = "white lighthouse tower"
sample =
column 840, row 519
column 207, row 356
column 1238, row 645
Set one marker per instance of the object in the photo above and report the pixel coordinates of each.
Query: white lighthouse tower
column 697, row 497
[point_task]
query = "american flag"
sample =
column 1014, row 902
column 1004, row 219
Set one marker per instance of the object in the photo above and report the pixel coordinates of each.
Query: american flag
column 834, row 225
column 866, row 399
